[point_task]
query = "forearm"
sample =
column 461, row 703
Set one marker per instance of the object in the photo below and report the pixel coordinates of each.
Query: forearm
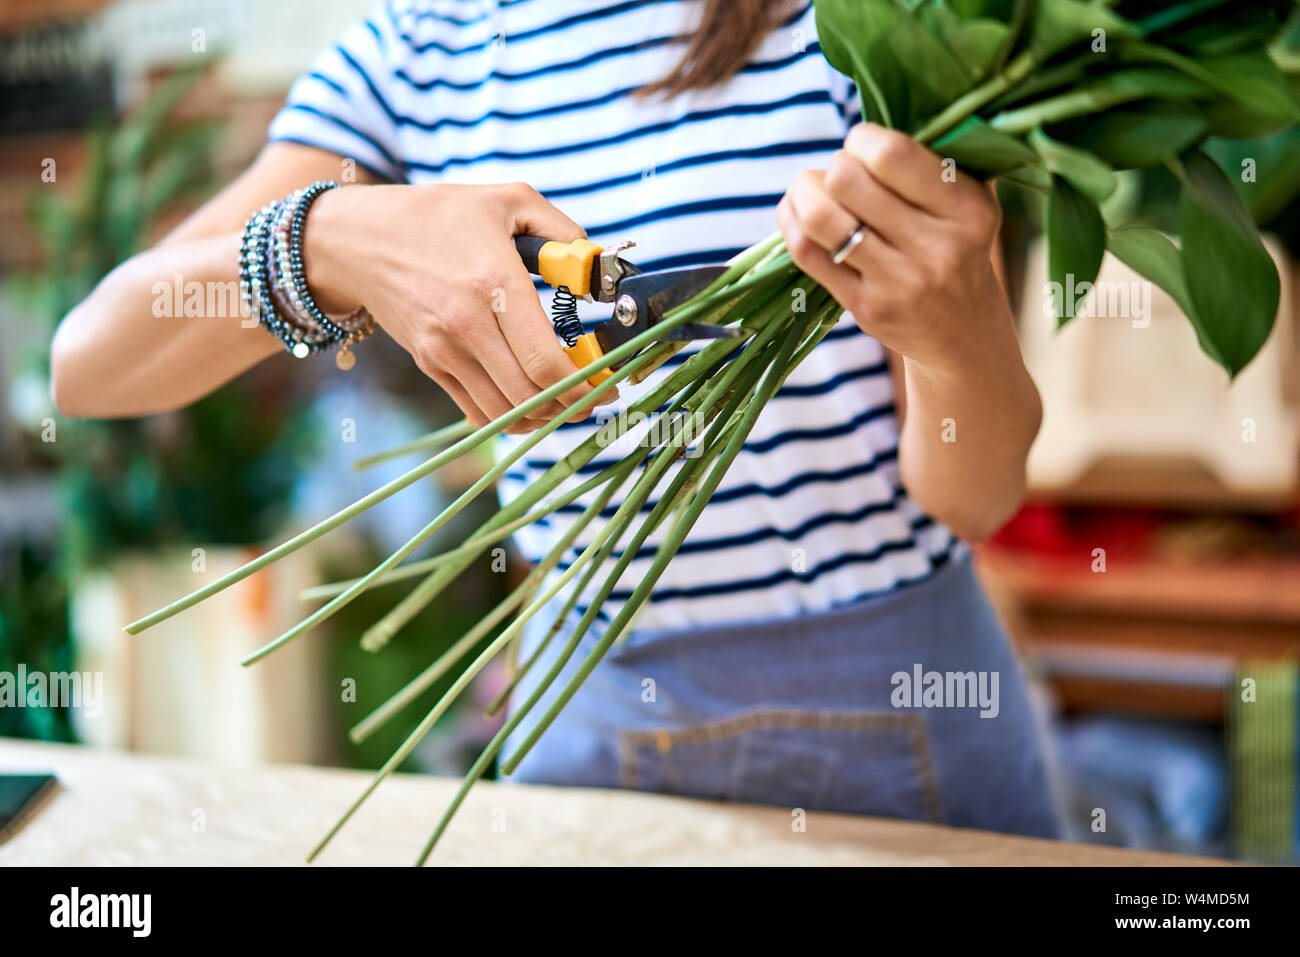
column 119, row 353
column 966, row 434
column 160, row 331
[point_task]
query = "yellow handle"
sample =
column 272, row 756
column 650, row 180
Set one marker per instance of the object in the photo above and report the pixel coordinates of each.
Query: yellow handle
column 586, row 350
column 568, row 264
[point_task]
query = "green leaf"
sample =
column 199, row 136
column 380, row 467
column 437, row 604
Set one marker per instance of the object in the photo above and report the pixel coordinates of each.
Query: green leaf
column 1084, row 171
column 974, row 41
column 1234, row 25
column 1231, row 278
column 904, row 71
column 850, row 40
column 1248, row 78
column 978, row 45
column 994, row 9
column 135, row 137
column 1076, row 238
column 1114, row 89
column 1062, row 23
column 1230, row 120
column 1017, row 15
column 982, row 151
column 1153, row 255
column 1136, row 135
column 1274, row 165
column 1034, row 178
column 1285, row 48
column 1254, row 81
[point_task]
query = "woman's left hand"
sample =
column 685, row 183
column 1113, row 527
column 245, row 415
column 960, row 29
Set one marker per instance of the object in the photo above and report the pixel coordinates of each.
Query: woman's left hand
column 921, row 279
column 921, row 282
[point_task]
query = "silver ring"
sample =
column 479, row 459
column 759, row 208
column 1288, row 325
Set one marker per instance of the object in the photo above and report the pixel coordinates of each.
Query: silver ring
column 850, row 244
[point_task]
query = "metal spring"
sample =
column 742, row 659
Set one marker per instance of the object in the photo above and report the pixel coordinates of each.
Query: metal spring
column 564, row 316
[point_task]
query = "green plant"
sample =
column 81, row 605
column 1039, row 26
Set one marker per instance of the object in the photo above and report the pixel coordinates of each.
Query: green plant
column 34, row 633
column 134, row 171
column 1019, row 89
column 220, row 471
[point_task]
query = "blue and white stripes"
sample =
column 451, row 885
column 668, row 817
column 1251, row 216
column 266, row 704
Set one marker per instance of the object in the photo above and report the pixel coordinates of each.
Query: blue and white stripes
column 812, row 514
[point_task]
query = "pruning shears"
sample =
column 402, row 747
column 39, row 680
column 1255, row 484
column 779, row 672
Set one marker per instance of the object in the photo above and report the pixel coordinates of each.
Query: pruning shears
column 581, row 269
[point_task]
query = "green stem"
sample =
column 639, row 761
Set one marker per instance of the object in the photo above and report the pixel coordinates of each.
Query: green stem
column 471, row 547
column 1045, row 80
column 393, row 560
column 577, row 591
column 618, row 473
column 382, row 631
column 1063, row 107
column 642, row 488
column 688, row 376
column 666, row 551
column 680, row 493
column 418, row 685
column 967, row 105
column 499, row 739
column 557, row 625
column 708, row 301
column 472, row 441
column 742, row 263
column 451, row 433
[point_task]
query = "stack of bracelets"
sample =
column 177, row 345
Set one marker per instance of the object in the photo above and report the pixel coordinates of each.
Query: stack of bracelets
column 273, row 282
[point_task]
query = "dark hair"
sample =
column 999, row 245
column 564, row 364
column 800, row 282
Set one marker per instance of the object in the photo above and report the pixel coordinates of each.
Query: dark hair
column 730, row 31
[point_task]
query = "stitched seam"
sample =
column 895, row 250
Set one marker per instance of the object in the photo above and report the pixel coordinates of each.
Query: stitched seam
column 626, row 763
column 770, row 718
column 927, row 775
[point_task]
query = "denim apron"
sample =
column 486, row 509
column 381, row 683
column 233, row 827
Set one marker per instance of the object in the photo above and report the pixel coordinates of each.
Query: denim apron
column 908, row 705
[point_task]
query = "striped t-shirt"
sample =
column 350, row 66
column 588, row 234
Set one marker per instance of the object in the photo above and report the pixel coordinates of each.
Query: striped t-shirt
column 811, row 514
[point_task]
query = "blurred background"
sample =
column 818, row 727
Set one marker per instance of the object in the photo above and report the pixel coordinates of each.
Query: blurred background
column 1152, row 582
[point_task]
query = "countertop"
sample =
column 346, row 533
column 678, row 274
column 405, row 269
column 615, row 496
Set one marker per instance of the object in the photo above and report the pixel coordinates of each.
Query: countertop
column 113, row 808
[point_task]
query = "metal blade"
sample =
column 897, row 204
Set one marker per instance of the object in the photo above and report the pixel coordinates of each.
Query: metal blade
column 698, row 330
column 643, row 299
column 662, row 291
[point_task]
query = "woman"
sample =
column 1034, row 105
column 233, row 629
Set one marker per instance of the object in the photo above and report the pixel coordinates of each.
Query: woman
column 777, row 660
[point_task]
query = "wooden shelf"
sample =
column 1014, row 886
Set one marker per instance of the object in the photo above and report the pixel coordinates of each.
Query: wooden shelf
column 1253, row 590
column 15, row 14
column 1156, row 637
column 1161, row 482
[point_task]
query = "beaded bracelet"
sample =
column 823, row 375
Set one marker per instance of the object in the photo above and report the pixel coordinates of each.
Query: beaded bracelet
column 253, row 287
column 277, row 266
column 271, row 267
column 279, row 269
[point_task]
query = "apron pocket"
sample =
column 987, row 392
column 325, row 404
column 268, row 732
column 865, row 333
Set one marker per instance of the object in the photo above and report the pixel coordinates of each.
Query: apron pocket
column 851, row 761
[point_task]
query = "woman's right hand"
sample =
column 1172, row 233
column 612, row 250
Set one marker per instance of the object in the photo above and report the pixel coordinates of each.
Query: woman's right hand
column 435, row 265
column 438, row 269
